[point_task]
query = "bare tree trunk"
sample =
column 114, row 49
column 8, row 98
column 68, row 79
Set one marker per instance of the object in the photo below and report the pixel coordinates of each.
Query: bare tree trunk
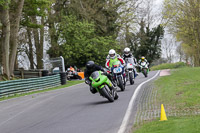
column 30, row 52
column 16, row 63
column 40, row 46
column 36, row 39
column 15, row 15
column 5, row 39
column 0, row 42
column 53, row 34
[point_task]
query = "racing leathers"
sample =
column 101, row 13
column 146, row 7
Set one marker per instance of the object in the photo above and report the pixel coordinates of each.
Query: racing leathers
column 140, row 61
column 110, row 61
column 87, row 74
column 125, row 57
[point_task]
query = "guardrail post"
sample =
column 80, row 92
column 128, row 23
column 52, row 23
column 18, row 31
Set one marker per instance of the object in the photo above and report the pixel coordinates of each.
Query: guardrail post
column 22, row 74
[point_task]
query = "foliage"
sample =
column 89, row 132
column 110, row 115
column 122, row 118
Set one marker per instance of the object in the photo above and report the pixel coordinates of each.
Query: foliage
column 104, row 15
column 33, row 8
column 79, row 42
column 147, row 42
column 169, row 66
column 184, row 22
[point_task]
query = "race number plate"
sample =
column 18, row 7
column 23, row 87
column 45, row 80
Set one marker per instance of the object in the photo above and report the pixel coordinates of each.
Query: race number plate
column 117, row 70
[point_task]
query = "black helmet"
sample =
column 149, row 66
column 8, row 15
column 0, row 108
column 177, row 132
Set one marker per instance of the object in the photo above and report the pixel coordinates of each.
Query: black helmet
column 90, row 64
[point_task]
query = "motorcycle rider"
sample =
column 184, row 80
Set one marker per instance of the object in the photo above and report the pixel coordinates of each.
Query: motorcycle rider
column 128, row 54
column 90, row 68
column 143, row 60
column 112, row 57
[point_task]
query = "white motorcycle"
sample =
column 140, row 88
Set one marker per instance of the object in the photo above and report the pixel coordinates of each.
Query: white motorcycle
column 144, row 68
column 130, row 72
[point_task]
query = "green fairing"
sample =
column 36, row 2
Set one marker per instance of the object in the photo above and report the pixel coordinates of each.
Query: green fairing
column 102, row 80
column 112, row 61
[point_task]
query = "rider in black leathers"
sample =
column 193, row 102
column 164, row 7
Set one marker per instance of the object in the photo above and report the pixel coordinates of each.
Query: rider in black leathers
column 90, row 68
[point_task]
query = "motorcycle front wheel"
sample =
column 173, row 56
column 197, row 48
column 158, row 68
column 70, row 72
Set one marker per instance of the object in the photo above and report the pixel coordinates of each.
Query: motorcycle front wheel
column 145, row 72
column 107, row 94
column 131, row 78
column 121, row 85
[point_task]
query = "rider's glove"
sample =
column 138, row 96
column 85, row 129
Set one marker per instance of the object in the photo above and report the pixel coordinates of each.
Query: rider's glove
column 104, row 73
column 87, row 81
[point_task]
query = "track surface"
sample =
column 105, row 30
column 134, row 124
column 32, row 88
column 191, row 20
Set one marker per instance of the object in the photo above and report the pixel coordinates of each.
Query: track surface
column 69, row 110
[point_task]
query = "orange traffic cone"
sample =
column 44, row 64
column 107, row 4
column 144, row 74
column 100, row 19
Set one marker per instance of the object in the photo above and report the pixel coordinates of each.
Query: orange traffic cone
column 163, row 116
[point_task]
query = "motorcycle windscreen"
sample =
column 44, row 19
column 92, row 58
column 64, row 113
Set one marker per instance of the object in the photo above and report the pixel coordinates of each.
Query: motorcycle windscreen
column 130, row 60
column 95, row 75
column 143, row 63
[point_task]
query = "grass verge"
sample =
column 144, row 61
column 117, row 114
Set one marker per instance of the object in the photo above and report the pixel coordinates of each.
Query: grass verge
column 173, row 125
column 180, row 91
column 169, row 66
column 69, row 83
column 181, row 88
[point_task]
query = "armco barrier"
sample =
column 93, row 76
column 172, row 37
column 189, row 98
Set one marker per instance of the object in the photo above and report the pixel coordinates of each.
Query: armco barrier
column 24, row 85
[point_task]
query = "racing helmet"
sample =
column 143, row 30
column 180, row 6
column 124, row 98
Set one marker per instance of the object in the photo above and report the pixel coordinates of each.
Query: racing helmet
column 142, row 58
column 127, row 51
column 90, row 64
column 112, row 54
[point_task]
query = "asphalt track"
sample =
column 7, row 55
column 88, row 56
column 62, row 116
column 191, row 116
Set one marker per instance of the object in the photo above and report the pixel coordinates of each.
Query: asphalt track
column 69, row 110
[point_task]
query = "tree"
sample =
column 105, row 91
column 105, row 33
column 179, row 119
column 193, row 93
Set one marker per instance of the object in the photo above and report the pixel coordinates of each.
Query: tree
column 79, row 42
column 168, row 47
column 10, row 18
column 147, row 42
column 5, row 44
column 180, row 52
column 34, row 21
column 183, row 21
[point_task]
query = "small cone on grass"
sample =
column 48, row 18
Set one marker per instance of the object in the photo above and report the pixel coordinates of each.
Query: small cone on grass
column 163, row 116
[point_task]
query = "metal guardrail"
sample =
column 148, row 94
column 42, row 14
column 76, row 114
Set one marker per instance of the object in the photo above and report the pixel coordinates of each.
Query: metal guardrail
column 24, row 74
column 24, row 85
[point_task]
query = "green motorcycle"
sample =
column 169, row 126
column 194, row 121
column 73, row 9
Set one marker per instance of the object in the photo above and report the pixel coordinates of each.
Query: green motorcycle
column 103, row 85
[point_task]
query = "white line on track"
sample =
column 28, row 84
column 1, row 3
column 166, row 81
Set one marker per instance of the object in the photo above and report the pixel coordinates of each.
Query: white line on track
column 123, row 126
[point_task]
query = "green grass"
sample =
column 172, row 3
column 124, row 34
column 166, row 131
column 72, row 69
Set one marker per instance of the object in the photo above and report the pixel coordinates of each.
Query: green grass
column 169, row 66
column 181, row 88
column 173, row 125
column 69, row 83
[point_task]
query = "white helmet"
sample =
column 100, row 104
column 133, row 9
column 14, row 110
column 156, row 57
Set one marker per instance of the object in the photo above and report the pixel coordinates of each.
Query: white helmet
column 127, row 51
column 112, row 53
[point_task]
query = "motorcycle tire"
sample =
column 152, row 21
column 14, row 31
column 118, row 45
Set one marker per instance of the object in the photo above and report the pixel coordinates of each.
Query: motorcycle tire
column 131, row 79
column 121, row 85
column 116, row 96
column 145, row 72
column 107, row 94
